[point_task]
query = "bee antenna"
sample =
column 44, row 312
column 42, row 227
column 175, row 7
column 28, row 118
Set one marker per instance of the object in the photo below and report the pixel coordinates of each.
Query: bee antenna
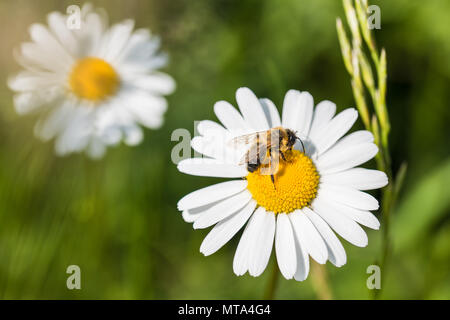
column 303, row 146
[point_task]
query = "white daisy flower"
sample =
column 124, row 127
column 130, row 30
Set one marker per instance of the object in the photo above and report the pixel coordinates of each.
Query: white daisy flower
column 91, row 86
column 315, row 192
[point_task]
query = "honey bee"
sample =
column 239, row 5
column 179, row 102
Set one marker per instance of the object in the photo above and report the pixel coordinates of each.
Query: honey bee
column 265, row 148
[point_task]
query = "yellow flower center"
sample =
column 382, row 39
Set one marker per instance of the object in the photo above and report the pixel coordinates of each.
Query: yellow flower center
column 296, row 182
column 93, row 79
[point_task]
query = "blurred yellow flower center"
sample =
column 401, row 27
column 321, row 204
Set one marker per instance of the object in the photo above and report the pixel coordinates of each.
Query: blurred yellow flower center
column 295, row 186
column 93, row 79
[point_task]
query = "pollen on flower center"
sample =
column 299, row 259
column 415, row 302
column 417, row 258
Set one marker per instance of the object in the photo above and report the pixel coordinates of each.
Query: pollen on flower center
column 93, row 79
column 296, row 182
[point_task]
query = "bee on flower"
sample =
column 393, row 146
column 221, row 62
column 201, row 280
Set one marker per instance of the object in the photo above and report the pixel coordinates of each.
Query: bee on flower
column 315, row 192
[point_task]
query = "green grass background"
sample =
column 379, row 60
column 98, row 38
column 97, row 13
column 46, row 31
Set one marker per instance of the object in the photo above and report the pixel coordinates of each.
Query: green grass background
column 117, row 218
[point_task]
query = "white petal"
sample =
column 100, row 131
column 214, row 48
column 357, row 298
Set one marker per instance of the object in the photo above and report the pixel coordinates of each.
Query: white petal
column 143, row 66
column 111, row 135
column 211, row 168
column 306, row 105
column 34, row 57
column 90, row 34
column 262, row 245
column 340, row 159
column 226, row 229
column 115, row 40
column 339, row 222
column 46, row 41
column 215, row 147
column 336, row 252
column 323, row 114
column 348, row 196
column 57, row 23
column 188, row 217
column 245, row 246
column 335, row 129
column 310, row 239
column 48, row 127
column 191, row 215
column 229, row 116
column 208, row 147
column 114, row 114
column 140, row 54
column 140, row 46
column 30, row 101
column 302, row 261
column 208, row 127
column 156, row 82
column 26, row 102
column 366, row 218
column 223, row 210
column 271, row 112
column 251, row 109
column 350, row 141
column 357, row 178
column 133, row 135
column 285, row 247
column 30, row 81
column 357, row 137
column 211, row 194
column 291, row 109
column 75, row 136
column 146, row 108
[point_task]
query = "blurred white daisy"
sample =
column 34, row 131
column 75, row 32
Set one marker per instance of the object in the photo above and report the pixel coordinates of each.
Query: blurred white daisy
column 316, row 192
column 92, row 86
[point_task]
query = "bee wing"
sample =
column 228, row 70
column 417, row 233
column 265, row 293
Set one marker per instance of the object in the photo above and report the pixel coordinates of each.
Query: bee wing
column 271, row 164
column 255, row 155
column 248, row 139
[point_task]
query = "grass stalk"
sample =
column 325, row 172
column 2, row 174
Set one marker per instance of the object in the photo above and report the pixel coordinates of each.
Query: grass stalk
column 375, row 88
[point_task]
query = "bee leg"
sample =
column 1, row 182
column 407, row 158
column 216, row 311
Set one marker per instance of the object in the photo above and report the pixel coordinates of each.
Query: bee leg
column 282, row 156
column 273, row 181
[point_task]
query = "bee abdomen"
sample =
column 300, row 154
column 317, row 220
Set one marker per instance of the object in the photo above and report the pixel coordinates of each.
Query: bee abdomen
column 252, row 167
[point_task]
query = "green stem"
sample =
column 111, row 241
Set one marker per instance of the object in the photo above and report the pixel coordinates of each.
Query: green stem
column 380, row 125
column 386, row 244
column 272, row 286
column 320, row 281
column 390, row 195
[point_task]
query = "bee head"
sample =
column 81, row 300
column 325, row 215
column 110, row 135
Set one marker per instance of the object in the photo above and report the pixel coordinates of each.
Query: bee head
column 292, row 137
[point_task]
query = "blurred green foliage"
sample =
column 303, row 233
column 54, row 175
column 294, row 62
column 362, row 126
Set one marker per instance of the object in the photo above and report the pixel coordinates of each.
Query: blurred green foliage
column 117, row 218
